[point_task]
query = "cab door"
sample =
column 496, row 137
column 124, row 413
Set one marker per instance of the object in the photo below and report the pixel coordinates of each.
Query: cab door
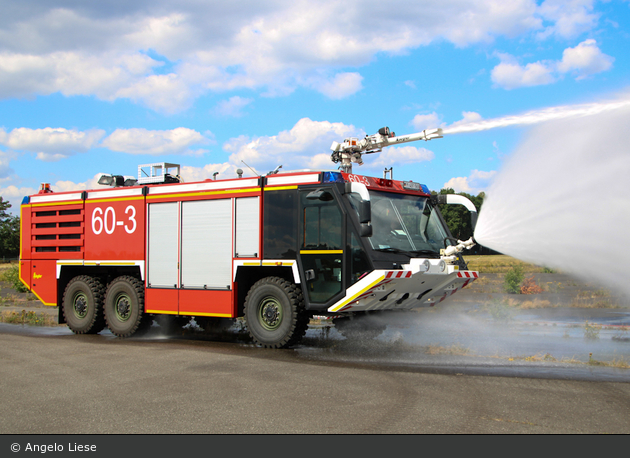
column 321, row 242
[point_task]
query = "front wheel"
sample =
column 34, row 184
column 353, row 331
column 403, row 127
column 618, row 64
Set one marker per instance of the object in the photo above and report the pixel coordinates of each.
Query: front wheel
column 124, row 307
column 274, row 313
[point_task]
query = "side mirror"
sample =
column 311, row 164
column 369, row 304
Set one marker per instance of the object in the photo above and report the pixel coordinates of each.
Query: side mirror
column 320, row 194
column 366, row 230
column 365, row 212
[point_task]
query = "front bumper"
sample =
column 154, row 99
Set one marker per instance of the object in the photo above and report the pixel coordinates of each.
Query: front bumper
column 419, row 284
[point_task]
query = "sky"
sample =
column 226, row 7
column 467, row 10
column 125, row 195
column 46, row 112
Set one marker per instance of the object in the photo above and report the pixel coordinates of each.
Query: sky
column 102, row 87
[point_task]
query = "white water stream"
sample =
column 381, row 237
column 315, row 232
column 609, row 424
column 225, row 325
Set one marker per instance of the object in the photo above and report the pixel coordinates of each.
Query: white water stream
column 562, row 199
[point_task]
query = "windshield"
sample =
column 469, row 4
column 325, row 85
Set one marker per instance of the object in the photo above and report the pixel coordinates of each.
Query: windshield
column 405, row 223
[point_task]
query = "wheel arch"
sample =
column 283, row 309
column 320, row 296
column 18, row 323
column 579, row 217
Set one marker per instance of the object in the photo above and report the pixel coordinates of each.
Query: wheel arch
column 105, row 274
column 247, row 276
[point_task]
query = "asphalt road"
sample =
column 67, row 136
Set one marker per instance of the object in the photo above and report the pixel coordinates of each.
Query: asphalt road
column 54, row 382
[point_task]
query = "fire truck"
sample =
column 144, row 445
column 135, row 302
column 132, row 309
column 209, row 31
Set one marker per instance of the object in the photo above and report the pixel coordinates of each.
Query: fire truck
column 274, row 249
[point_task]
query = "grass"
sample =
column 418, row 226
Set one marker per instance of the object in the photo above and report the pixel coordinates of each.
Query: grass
column 455, row 349
column 30, row 318
column 11, row 274
column 502, row 264
column 591, row 330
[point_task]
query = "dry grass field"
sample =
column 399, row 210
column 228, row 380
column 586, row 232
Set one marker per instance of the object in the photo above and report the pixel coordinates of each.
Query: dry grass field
column 501, row 264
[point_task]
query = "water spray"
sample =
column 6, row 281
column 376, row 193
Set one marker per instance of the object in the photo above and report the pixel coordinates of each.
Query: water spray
column 539, row 116
column 546, row 207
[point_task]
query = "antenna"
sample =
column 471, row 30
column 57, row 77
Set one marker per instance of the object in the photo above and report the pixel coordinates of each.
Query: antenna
column 255, row 172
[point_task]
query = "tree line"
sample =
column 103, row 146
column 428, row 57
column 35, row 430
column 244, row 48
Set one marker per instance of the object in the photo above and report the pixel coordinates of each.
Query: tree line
column 9, row 232
column 457, row 218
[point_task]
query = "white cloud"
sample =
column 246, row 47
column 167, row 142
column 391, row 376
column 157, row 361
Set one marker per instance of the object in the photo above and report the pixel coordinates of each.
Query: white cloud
column 402, row 155
column 426, row 121
column 5, row 169
column 232, row 107
column 340, row 86
column 71, row 73
column 583, row 60
column 225, row 170
column 468, row 117
column 511, row 75
column 458, row 184
column 473, row 184
column 165, row 93
column 101, row 49
column 293, row 149
column 15, row 195
column 51, row 144
column 143, row 141
column 569, row 18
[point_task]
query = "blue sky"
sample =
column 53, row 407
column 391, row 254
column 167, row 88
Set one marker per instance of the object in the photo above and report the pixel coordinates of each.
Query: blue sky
column 101, row 87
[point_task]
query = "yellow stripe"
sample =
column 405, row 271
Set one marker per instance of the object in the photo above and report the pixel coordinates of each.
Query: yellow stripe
column 347, row 301
column 112, row 263
column 114, row 199
column 205, row 193
column 167, row 312
column 20, row 255
column 280, row 188
column 54, row 204
column 53, row 304
column 321, row 251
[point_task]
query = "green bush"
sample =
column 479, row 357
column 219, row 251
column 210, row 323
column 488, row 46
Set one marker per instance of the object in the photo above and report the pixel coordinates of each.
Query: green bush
column 499, row 310
column 12, row 276
column 513, row 279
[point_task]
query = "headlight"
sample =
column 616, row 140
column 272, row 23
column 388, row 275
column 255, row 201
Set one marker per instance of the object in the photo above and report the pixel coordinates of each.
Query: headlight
column 442, row 265
column 427, row 265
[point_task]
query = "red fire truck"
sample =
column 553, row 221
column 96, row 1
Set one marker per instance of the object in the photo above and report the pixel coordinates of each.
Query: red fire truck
column 274, row 249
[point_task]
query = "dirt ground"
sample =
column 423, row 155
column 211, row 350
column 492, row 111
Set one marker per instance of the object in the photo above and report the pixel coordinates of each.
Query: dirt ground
column 558, row 290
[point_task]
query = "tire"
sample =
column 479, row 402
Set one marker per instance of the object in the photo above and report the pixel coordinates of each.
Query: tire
column 124, row 307
column 83, row 305
column 274, row 313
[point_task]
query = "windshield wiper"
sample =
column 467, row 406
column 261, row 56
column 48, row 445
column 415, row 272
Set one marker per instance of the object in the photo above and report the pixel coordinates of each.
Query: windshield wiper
column 431, row 252
column 411, row 254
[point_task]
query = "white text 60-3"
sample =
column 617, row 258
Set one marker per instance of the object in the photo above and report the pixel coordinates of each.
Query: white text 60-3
column 105, row 220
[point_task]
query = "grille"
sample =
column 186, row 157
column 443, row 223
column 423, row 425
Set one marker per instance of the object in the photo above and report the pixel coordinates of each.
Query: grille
column 58, row 229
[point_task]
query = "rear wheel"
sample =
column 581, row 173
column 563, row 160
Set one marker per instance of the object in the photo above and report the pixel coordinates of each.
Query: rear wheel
column 274, row 313
column 124, row 307
column 83, row 305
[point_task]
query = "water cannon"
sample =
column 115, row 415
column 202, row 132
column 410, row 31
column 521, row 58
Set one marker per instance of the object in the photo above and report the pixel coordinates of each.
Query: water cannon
column 352, row 149
column 450, row 253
